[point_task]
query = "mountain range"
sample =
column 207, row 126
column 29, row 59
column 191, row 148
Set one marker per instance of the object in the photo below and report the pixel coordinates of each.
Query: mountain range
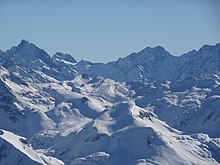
column 147, row 108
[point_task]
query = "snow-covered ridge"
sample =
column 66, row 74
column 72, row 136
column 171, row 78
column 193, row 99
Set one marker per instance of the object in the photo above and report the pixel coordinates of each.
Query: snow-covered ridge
column 163, row 109
column 20, row 145
column 156, row 64
column 150, row 63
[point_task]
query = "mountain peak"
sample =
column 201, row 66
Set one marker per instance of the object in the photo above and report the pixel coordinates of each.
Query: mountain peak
column 209, row 47
column 157, row 53
column 25, row 46
column 23, row 43
column 28, row 55
column 62, row 56
column 154, row 50
column 159, row 48
column 206, row 47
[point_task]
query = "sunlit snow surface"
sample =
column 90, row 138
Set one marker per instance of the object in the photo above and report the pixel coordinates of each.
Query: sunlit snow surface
column 51, row 114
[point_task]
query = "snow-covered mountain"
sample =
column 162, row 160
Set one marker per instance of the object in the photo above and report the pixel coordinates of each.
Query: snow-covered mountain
column 156, row 64
column 147, row 108
column 28, row 57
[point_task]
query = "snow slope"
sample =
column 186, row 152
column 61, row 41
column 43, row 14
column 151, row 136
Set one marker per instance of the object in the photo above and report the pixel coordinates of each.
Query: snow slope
column 90, row 119
column 15, row 148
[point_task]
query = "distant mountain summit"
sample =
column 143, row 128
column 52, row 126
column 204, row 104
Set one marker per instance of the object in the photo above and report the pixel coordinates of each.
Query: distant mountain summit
column 27, row 56
column 156, row 64
column 149, row 64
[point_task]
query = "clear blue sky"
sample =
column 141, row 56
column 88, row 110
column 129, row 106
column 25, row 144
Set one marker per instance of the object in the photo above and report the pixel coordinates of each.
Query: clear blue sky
column 104, row 30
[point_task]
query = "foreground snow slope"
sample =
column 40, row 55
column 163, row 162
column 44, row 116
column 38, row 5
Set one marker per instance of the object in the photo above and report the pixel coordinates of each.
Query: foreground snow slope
column 80, row 119
column 15, row 148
